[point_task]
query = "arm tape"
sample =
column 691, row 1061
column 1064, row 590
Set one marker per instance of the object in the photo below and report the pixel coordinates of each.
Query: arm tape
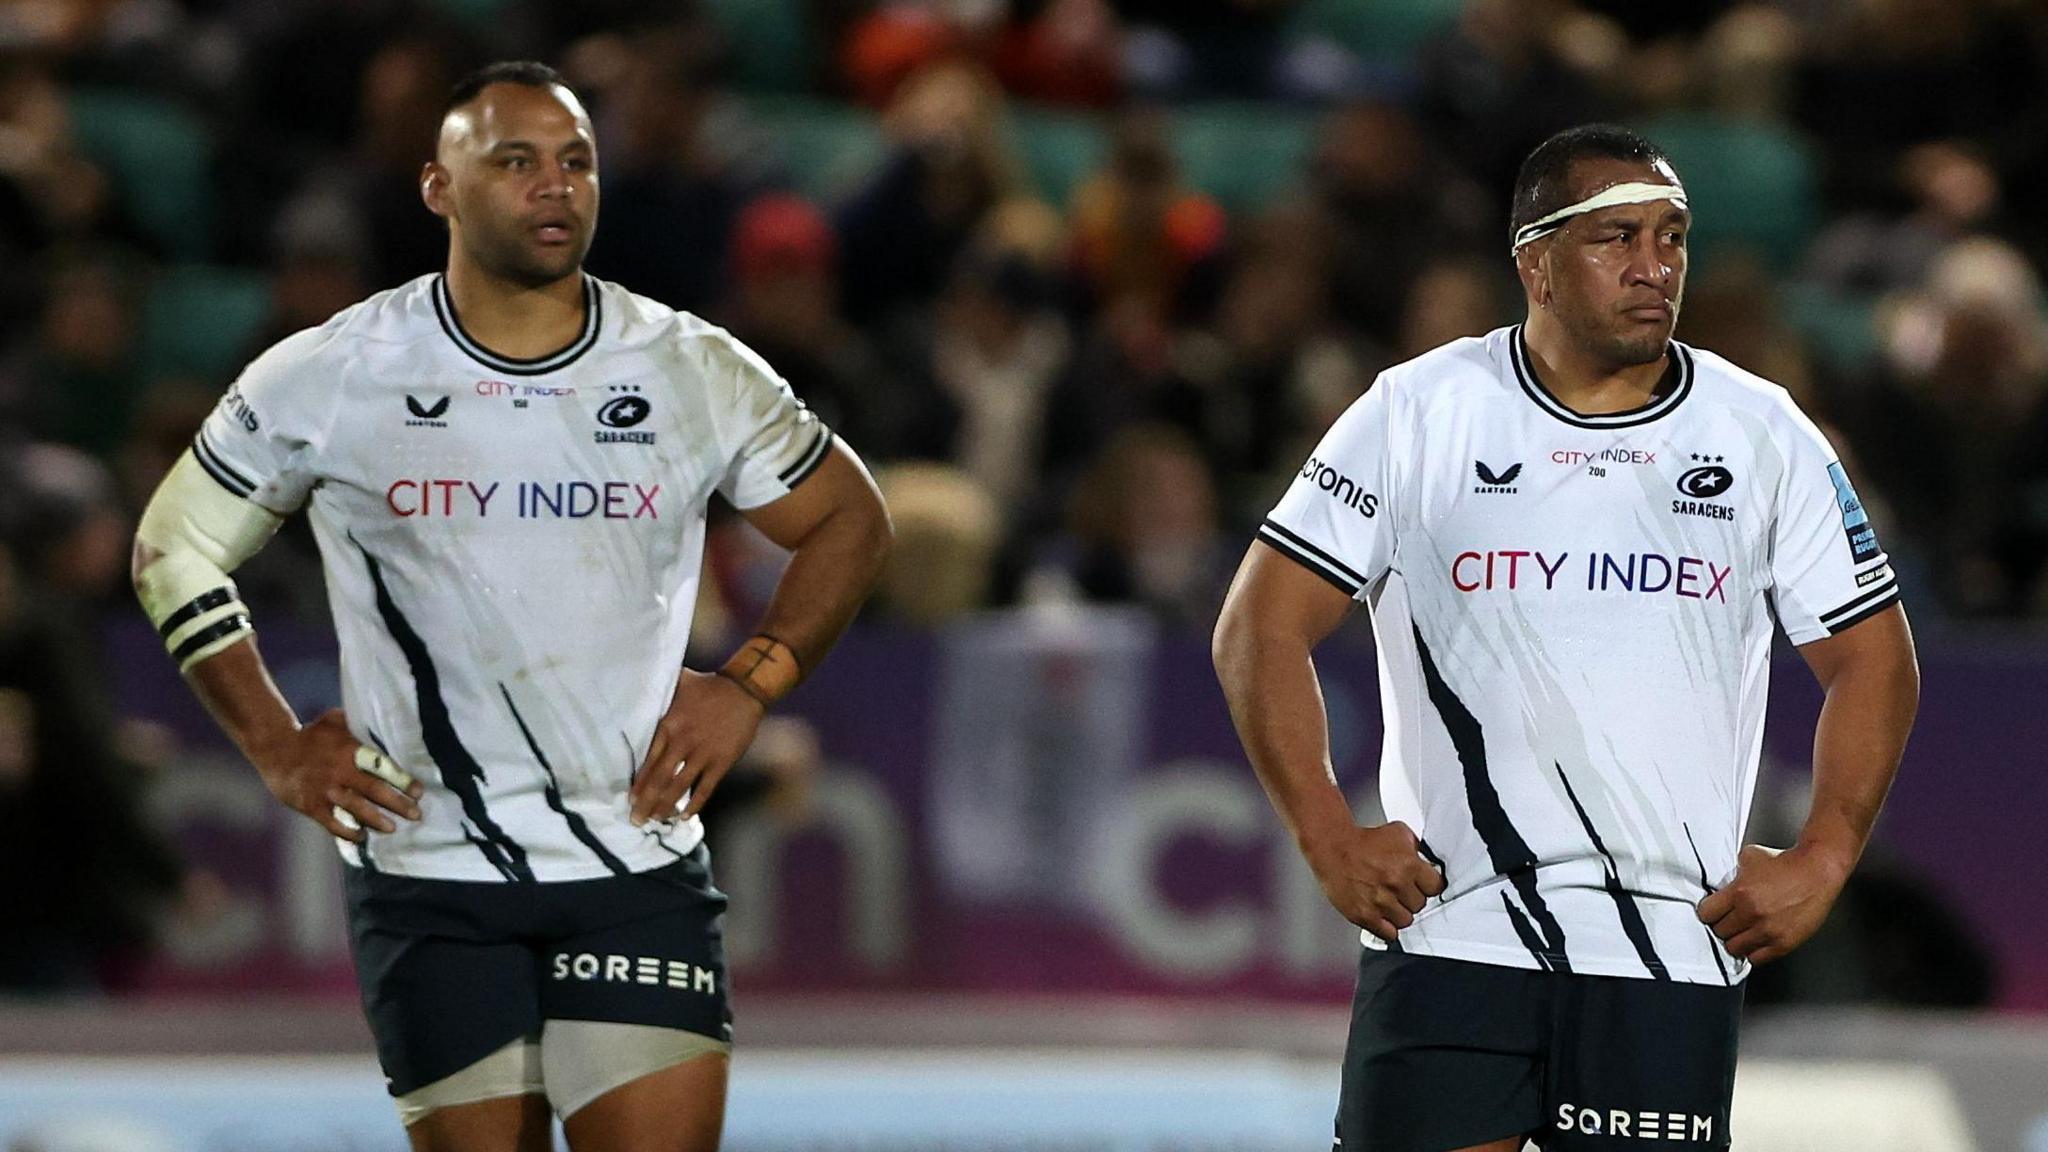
column 193, row 534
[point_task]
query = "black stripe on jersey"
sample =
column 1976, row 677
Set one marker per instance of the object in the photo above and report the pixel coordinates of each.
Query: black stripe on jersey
column 1311, row 557
column 553, row 792
column 217, row 468
column 1509, row 853
column 1532, row 385
column 808, row 463
column 198, row 606
column 491, row 850
column 1713, row 941
column 459, row 770
column 1843, row 625
column 1527, row 932
column 1855, row 610
column 1632, row 923
column 1422, row 846
column 225, row 626
column 451, row 324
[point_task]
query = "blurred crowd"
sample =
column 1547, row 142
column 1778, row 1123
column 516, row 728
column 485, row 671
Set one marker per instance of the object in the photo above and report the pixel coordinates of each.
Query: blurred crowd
column 971, row 234
column 1083, row 279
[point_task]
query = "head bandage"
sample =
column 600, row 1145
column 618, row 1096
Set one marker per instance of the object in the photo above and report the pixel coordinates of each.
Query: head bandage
column 1612, row 196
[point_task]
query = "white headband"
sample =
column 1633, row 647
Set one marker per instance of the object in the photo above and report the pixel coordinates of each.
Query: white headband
column 1610, row 197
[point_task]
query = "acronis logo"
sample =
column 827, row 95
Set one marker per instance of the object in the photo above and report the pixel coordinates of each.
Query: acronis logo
column 1343, row 488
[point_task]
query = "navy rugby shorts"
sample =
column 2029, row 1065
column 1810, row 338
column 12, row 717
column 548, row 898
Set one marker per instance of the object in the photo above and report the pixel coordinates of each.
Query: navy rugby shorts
column 1447, row 1054
column 453, row 970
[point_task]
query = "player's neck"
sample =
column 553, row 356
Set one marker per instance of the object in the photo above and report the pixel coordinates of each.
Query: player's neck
column 1585, row 383
column 514, row 320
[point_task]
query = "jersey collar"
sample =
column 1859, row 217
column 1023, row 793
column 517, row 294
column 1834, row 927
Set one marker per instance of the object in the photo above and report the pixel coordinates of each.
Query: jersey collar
column 593, row 320
column 1525, row 374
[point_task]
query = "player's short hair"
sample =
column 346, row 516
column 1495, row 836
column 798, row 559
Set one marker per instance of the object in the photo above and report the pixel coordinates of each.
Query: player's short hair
column 1544, row 183
column 527, row 73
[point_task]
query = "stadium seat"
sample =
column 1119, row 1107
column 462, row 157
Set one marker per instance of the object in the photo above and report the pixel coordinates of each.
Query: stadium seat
column 1840, row 329
column 1241, row 153
column 1383, row 31
column 1060, row 149
column 474, row 13
column 200, row 321
column 825, row 147
column 1751, row 185
column 771, row 43
column 159, row 158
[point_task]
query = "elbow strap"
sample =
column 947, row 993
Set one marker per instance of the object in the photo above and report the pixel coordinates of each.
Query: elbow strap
column 193, row 534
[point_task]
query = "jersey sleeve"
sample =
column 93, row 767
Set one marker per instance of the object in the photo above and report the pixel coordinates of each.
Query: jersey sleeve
column 1828, row 573
column 773, row 442
column 262, row 441
column 1335, row 518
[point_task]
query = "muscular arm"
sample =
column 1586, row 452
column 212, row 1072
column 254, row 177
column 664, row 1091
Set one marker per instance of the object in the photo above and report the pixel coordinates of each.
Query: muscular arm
column 1273, row 617
column 1872, row 683
column 838, row 534
column 191, row 536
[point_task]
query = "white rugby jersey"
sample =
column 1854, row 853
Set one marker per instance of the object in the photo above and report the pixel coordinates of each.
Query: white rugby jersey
column 512, row 550
column 1574, row 616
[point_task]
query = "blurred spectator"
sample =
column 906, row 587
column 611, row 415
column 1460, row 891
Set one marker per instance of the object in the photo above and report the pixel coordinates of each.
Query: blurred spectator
column 1500, row 84
column 1733, row 309
column 671, row 194
column 1390, row 204
column 1886, row 74
column 398, row 123
column 1069, row 53
column 890, row 45
column 998, row 351
column 1225, row 48
column 950, row 162
column 1452, row 298
column 1955, row 433
column 1142, row 238
column 1144, row 529
column 80, row 371
column 785, row 306
column 1950, row 193
column 51, row 194
column 94, row 874
column 1748, row 62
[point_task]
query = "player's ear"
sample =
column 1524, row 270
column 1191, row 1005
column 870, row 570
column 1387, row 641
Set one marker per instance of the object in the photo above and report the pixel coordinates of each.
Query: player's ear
column 1535, row 279
column 434, row 188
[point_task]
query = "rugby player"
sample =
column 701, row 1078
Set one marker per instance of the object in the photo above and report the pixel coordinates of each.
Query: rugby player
column 507, row 466
column 1577, row 536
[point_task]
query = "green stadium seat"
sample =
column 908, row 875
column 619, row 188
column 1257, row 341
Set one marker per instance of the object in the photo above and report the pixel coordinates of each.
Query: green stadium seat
column 478, row 14
column 771, row 43
column 1060, row 149
column 1751, row 185
column 1242, row 154
column 1386, row 31
column 200, row 321
column 1840, row 329
column 826, row 147
column 159, row 158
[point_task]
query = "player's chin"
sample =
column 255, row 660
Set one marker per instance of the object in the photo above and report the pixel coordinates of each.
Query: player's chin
column 1642, row 342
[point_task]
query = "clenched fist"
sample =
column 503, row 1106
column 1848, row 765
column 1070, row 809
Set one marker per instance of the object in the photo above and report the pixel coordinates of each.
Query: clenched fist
column 1777, row 900
column 1376, row 877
